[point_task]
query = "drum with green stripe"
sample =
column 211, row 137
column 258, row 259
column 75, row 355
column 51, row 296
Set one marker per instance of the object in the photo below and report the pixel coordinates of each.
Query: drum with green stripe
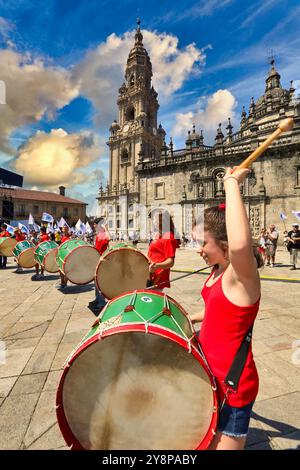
column 77, row 260
column 45, row 255
column 24, row 253
column 7, row 245
column 138, row 380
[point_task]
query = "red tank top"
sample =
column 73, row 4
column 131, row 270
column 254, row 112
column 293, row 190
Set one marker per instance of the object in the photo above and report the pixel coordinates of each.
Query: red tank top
column 223, row 329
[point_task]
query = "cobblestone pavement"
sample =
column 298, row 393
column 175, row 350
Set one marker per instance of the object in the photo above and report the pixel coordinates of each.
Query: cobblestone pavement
column 40, row 326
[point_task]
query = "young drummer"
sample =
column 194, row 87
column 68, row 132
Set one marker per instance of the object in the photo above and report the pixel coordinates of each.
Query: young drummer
column 162, row 249
column 66, row 235
column 20, row 237
column 101, row 244
column 43, row 237
column 231, row 296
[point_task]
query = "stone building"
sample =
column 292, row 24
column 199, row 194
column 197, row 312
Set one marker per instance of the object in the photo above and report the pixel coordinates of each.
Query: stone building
column 145, row 170
column 18, row 203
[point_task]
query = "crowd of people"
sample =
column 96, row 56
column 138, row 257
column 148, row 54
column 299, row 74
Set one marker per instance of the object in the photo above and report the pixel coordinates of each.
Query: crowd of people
column 268, row 242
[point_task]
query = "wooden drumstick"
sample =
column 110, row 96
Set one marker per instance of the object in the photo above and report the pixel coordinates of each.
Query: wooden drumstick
column 284, row 126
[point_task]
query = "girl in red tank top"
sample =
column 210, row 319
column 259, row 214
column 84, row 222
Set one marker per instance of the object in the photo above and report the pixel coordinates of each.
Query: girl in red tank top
column 231, row 296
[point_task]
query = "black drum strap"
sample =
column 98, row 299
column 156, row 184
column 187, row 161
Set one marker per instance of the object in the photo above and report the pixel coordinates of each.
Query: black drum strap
column 238, row 364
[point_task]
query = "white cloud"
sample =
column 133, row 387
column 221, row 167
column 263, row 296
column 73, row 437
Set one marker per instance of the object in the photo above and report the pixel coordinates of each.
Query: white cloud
column 207, row 114
column 57, row 158
column 101, row 72
column 33, row 90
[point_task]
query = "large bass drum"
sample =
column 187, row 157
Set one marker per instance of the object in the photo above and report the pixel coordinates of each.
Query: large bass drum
column 45, row 254
column 138, row 380
column 121, row 269
column 24, row 254
column 77, row 260
column 7, row 245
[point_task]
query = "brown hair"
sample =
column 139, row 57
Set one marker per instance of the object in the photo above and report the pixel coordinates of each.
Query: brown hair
column 215, row 224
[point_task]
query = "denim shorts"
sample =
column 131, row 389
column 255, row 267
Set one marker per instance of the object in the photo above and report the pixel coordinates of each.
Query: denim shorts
column 233, row 421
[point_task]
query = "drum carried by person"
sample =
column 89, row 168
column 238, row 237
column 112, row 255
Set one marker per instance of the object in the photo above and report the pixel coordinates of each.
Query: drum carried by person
column 77, row 261
column 45, row 255
column 122, row 268
column 7, row 245
column 24, row 254
column 138, row 380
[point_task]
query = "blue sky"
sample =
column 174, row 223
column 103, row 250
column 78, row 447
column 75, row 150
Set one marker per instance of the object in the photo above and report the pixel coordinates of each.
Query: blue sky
column 63, row 62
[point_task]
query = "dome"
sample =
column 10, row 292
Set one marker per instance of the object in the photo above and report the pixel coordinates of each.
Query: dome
column 161, row 130
column 114, row 126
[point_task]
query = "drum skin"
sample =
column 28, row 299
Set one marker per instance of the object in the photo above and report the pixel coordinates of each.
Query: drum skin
column 45, row 254
column 138, row 381
column 77, row 260
column 128, row 268
column 7, row 245
column 24, row 253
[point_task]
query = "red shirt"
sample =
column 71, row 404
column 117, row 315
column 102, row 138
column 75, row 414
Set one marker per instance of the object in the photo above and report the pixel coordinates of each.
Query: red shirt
column 159, row 250
column 44, row 238
column 101, row 242
column 5, row 233
column 65, row 238
column 223, row 329
column 20, row 237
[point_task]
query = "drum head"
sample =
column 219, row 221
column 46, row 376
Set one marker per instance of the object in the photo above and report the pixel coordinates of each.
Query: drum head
column 7, row 246
column 122, row 270
column 50, row 263
column 137, row 391
column 26, row 258
column 80, row 264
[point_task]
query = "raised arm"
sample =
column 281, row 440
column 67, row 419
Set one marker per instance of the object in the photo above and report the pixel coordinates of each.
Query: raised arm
column 238, row 228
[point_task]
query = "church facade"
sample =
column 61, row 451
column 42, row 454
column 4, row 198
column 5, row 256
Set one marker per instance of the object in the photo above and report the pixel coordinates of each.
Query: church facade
column 145, row 172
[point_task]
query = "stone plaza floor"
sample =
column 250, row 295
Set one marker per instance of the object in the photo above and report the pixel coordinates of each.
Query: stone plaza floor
column 40, row 326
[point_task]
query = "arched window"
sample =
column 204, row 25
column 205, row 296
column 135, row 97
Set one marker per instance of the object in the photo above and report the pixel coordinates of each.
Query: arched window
column 130, row 113
column 124, row 154
column 131, row 81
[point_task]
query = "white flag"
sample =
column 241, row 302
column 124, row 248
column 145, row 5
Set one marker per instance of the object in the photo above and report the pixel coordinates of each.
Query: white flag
column 62, row 223
column 88, row 228
column 30, row 220
column 10, row 229
column 296, row 214
column 47, row 217
column 23, row 228
column 78, row 225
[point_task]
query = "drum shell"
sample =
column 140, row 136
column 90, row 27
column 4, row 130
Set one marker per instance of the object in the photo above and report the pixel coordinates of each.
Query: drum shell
column 7, row 245
column 24, row 253
column 115, row 326
column 45, row 254
column 82, row 271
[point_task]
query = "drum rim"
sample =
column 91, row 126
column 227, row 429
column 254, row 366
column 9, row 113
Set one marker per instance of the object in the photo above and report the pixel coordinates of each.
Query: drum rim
column 66, row 431
column 65, row 260
column 103, row 258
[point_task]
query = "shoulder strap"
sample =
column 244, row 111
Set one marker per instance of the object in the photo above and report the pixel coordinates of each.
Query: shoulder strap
column 238, row 364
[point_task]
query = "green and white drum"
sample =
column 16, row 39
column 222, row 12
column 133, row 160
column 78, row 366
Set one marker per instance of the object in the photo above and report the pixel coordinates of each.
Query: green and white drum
column 138, row 380
column 7, row 245
column 45, row 254
column 78, row 259
column 121, row 269
column 24, row 254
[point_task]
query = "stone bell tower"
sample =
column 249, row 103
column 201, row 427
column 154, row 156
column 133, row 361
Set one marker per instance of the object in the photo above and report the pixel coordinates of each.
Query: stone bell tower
column 135, row 135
